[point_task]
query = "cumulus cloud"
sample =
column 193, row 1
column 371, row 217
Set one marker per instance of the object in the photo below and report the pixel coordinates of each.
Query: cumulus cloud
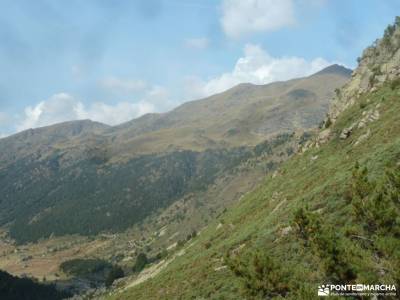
column 64, row 107
column 257, row 66
column 197, row 43
column 240, row 17
column 118, row 113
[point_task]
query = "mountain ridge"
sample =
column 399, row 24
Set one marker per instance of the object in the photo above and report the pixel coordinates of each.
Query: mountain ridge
column 46, row 174
column 335, row 69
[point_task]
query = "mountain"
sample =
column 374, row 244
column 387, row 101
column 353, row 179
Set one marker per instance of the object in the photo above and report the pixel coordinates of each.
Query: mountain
column 242, row 116
column 42, row 141
column 84, row 177
column 330, row 214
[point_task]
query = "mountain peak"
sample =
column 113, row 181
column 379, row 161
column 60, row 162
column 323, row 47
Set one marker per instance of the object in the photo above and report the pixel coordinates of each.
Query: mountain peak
column 335, row 69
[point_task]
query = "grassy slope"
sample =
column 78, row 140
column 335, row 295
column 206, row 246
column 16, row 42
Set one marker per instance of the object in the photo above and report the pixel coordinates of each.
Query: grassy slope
column 242, row 116
column 319, row 177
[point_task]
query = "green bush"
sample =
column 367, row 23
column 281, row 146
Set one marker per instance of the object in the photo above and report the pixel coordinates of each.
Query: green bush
column 394, row 84
column 326, row 243
column 207, row 245
column 376, row 204
column 261, row 275
column 141, row 262
column 162, row 254
column 81, row 267
column 115, row 273
column 376, row 215
column 328, row 122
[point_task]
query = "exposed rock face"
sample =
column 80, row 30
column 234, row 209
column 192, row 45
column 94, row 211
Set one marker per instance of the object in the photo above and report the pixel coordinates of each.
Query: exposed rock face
column 324, row 135
column 346, row 132
column 379, row 63
column 363, row 137
column 369, row 116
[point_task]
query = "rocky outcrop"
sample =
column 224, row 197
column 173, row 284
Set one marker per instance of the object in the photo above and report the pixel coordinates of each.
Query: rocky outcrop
column 363, row 137
column 378, row 63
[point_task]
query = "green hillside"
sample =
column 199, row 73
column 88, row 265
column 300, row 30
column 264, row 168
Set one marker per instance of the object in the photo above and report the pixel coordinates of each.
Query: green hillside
column 86, row 178
column 115, row 197
column 331, row 214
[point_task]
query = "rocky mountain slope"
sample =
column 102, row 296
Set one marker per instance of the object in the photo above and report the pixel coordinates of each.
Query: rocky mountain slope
column 329, row 215
column 84, row 177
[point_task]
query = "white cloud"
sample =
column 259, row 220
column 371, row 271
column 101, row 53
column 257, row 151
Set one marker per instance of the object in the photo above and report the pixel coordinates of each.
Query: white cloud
column 60, row 107
column 64, row 107
column 240, row 17
column 257, row 67
column 120, row 84
column 158, row 96
column 197, row 43
column 118, row 113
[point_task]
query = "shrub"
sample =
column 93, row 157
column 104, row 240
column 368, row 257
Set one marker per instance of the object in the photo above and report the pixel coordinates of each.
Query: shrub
column 326, row 243
column 261, row 275
column 328, row 122
column 81, row 267
column 141, row 262
column 180, row 243
column 207, row 245
column 362, row 104
column 305, row 224
column 376, row 215
column 191, row 235
column 394, row 84
column 397, row 21
column 162, row 254
column 115, row 273
column 376, row 205
column 387, row 35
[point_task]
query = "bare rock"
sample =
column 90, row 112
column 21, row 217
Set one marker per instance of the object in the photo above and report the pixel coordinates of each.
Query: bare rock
column 324, row 136
column 363, row 137
column 346, row 133
column 286, row 230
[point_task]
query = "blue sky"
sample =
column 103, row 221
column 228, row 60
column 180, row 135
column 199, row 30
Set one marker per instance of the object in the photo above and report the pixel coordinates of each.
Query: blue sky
column 112, row 61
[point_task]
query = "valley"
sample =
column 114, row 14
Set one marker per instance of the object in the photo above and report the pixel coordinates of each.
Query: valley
column 85, row 190
column 262, row 191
